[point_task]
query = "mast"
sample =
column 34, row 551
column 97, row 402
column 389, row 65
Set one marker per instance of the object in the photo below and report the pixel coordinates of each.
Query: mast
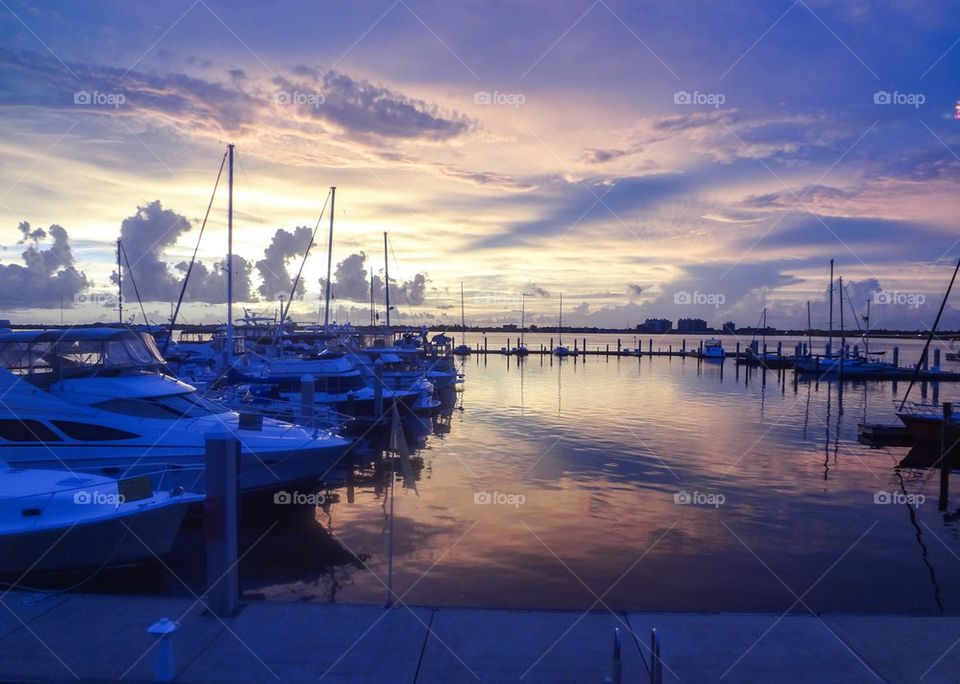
column 523, row 303
column 809, row 329
column 229, row 347
column 372, row 308
column 866, row 335
column 386, row 276
column 843, row 337
column 463, row 318
column 119, row 283
column 560, row 326
column 326, row 308
column 830, row 334
column 763, row 332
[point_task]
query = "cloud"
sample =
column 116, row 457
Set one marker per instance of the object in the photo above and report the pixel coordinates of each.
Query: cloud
column 597, row 156
column 634, row 290
column 145, row 237
column 350, row 282
column 276, row 279
column 534, row 290
column 48, row 276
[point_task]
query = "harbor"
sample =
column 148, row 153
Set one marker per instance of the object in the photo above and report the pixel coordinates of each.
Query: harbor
column 425, row 343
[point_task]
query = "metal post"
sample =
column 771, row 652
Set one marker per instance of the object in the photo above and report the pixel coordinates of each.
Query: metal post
column 896, row 357
column 936, row 359
column 220, row 523
column 617, row 674
column 618, row 346
column 656, row 664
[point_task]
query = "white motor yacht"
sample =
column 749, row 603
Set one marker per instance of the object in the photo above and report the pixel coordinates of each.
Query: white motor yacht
column 96, row 400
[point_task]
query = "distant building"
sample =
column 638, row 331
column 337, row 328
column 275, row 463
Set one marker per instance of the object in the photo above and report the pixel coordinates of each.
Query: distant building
column 510, row 326
column 655, row 326
column 691, row 325
column 729, row 328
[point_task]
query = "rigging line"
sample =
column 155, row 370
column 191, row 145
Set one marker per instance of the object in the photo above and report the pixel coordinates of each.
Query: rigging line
column 296, row 281
column 133, row 281
column 933, row 331
column 193, row 259
column 396, row 263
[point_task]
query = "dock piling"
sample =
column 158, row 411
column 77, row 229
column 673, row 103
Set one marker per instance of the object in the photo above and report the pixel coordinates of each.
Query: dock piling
column 656, row 664
column 307, row 398
column 220, row 523
column 616, row 676
column 945, row 449
column 164, row 668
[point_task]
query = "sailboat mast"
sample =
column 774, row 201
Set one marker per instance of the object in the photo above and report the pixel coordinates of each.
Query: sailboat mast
column 843, row 338
column 326, row 306
column 386, row 277
column 560, row 326
column 463, row 318
column 523, row 309
column 809, row 329
column 830, row 333
column 119, row 282
column 229, row 347
column 866, row 335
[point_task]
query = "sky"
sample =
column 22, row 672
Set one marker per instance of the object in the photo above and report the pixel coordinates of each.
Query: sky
column 644, row 159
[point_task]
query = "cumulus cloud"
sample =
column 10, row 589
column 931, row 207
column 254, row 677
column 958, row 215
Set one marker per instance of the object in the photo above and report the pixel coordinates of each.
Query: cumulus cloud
column 351, row 282
column 47, row 276
column 274, row 274
column 145, row 237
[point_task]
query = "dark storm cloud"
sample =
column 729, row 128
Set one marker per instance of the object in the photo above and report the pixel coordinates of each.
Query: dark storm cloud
column 634, row 290
column 47, row 277
column 275, row 277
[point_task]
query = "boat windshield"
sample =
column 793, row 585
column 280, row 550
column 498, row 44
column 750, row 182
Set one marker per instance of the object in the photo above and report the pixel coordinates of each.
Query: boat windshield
column 66, row 356
column 168, row 407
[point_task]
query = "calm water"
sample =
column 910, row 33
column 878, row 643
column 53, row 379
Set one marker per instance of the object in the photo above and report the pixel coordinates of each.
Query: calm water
column 585, row 461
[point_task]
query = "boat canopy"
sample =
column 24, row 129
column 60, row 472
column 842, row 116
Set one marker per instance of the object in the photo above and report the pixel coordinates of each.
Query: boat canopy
column 77, row 351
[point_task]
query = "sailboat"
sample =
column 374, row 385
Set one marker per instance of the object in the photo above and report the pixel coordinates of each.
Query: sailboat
column 561, row 350
column 521, row 348
column 462, row 349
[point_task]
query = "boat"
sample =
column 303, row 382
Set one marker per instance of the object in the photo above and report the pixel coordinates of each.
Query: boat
column 462, row 349
column 561, row 350
column 52, row 521
column 713, row 350
column 521, row 348
column 99, row 401
column 925, row 423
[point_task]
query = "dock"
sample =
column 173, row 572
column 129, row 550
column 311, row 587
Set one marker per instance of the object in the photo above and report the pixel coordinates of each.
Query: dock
column 85, row 637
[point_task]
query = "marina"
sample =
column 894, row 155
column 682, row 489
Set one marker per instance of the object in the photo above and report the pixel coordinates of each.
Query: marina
column 430, row 343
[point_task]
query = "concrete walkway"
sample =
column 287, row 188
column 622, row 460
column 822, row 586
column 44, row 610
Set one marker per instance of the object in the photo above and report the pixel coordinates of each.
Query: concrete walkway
column 104, row 638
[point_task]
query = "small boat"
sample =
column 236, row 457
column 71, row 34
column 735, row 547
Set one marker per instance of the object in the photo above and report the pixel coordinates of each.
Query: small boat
column 53, row 521
column 925, row 423
column 560, row 350
column 713, row 350
column 521, row 348
column 462, row 349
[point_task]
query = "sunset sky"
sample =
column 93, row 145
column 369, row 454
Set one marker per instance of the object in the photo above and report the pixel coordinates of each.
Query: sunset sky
column 646, row 159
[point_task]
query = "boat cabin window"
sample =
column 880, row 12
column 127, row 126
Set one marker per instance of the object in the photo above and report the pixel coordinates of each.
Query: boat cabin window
column 63, row 356
column 88, row 432
column 14, row 430
column 169, row 407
